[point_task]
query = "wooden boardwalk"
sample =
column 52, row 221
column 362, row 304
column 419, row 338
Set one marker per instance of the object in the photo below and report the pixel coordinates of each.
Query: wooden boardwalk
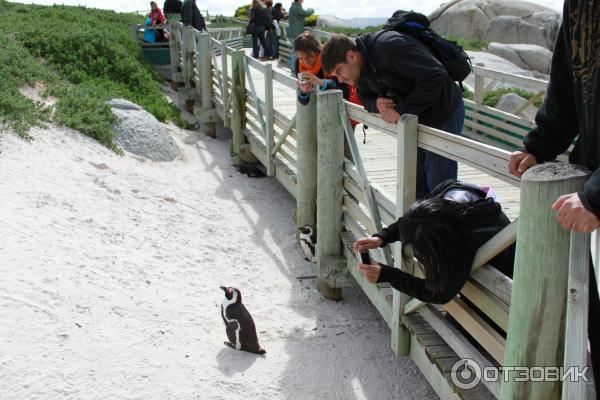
column 379, row 152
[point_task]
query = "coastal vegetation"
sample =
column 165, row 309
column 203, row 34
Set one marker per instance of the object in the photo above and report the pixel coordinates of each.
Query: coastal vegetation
column 80, row 56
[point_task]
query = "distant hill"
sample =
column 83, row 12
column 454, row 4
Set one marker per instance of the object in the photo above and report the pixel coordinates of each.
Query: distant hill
column 364, row 22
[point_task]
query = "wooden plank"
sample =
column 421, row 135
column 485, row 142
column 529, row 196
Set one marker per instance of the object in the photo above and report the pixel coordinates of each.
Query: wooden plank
column 488, row 303
column 358, row 113
column 374, row 294
column 576, row 324
column 458, row 343
column 358, row 214
column 519, row 81
column 435, row 378
column 498, row 113
column 495, row 134
column 270, row 118
column 485, row 158
column 494, row 281
column 363, row 181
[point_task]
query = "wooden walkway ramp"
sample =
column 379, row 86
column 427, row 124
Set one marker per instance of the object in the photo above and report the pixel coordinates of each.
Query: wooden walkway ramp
column 379, row 151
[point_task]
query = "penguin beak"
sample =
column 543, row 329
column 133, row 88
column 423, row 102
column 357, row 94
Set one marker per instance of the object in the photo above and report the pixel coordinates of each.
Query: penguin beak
column 223, row 288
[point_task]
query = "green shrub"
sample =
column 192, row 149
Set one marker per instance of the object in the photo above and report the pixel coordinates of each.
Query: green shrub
column 242, row 11
column 311, row 21
column 469, row 44
column 91, row 59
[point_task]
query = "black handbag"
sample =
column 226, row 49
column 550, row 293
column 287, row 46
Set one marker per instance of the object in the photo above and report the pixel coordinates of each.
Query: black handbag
column 251, row 28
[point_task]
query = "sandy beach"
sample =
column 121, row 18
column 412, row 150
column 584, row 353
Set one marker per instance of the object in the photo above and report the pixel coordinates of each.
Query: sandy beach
column 110, row 268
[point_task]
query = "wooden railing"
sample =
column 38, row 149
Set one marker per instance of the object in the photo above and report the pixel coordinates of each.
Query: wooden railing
column 305, row 153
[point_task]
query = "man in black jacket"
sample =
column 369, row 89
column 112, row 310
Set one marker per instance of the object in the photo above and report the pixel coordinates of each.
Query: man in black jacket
column 191, row 16
column 396, row 74
column 572, row 108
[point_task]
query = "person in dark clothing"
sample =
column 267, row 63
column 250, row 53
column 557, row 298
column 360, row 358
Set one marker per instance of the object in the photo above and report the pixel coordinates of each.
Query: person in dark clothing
column 191, row 16
column 396, row 74
column 261, row 18
column 571, row 109
column 172, row 10
column 445, row 230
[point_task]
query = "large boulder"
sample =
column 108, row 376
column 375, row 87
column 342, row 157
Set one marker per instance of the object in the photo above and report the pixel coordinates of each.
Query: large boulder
column 498, row 63
column 526, row 56
column 518, row 21
column 140, row 133
column 510, row 102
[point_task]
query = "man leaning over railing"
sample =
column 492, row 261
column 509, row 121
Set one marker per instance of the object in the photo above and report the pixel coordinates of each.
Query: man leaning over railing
column 572, row 108
column 396, row 74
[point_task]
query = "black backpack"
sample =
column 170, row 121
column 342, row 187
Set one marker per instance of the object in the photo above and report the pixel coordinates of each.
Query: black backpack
column 450, row 54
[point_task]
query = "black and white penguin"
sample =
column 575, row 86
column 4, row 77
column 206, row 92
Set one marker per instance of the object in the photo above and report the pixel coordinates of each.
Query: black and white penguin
column 308, row 241
column 239, row 324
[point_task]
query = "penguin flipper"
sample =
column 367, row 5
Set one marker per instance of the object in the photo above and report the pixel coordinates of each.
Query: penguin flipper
column 230, row 345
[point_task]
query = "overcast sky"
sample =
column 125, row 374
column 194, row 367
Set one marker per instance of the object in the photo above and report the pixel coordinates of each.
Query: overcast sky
column 338, row 8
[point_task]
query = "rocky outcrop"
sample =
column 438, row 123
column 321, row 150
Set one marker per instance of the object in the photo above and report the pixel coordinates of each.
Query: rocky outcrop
column 140, row 133
column 526, row 56
column 504, row 21
column 511, row 102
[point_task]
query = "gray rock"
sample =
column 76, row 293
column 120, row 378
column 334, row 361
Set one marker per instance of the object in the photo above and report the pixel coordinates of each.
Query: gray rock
column 498, row 63
column 511, row 29
column 526, row 56
column 534, row 24
column 123, row 104
column 140, row 133
column 511, row 102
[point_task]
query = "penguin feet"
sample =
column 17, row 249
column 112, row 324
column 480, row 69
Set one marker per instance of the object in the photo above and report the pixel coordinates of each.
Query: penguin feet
column 230, row 345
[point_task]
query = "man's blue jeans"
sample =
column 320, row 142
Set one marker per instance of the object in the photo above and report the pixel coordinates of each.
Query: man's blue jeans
column 433, row 169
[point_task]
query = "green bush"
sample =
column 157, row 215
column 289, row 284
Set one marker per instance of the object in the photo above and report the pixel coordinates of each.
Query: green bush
column 242, row 11
column 91, row 59
column 469, row 44
column 311, row 21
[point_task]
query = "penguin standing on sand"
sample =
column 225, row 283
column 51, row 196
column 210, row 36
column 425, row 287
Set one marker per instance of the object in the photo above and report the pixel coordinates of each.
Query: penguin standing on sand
column 308, row 241
column 239, row 324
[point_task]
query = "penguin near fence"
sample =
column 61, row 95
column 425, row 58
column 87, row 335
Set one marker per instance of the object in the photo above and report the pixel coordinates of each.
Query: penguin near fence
column 239, row 324
column 308, row 242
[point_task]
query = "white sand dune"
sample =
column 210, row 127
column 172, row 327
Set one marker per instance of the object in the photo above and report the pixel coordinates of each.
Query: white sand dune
column 110, row 268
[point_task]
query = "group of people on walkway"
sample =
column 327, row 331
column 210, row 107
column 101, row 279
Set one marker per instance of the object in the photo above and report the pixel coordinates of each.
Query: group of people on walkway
column 263, row 25
column 187, row 12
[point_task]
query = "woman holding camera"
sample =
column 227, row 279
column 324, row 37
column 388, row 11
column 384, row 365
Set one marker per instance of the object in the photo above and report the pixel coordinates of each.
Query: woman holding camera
column 444, row 231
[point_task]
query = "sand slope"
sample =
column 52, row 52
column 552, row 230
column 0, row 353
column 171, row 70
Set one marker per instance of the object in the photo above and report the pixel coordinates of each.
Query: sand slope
column 110, row 270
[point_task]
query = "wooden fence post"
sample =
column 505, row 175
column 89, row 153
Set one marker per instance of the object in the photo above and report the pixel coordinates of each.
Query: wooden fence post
column 269, row 118
column 174, row 49
column 306, row 158
column 576, row 325
column 330, row 191
column 207, row 113
column 238, row 103
column 536, row 325
column 225, row 84
column 406, row 182
column 189, row 49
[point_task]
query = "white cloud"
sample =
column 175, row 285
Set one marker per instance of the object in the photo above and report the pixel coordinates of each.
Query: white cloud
column 338, row 8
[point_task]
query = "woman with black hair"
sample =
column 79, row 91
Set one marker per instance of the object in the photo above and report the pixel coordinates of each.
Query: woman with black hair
column 444, row 231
